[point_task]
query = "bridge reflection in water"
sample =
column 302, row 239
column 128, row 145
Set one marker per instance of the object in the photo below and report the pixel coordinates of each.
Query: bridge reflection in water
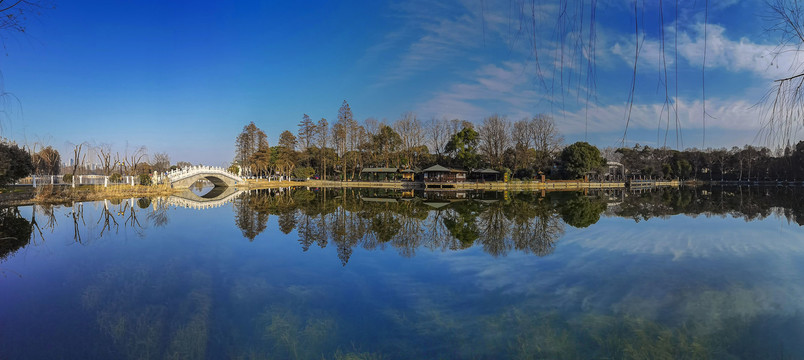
column 216, row 197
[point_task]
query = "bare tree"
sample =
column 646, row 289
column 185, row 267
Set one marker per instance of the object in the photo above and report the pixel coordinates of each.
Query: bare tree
column 339, row 135
column 104, row 154
column 119, row 163
column 410, row 132
column 456, row 125
column 494, row 139
column 355, row 133
column 133, row 158
column 437, row 135
column 611, row 154
column 546, row 139
column 372, row 126
column 78, row 156
column 522, row 139
column 161, row 162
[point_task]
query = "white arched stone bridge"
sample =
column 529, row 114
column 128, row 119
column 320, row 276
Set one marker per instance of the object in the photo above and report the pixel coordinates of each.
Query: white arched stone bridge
column 183, row 178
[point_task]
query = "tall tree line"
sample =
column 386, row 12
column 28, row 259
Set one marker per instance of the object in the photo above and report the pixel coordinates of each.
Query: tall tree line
column 524, row 148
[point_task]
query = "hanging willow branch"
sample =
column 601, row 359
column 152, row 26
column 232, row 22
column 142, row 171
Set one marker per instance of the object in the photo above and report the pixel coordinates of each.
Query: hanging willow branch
column 783, row 104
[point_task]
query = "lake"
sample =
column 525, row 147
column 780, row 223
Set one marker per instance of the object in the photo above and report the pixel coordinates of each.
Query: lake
column 382, row 274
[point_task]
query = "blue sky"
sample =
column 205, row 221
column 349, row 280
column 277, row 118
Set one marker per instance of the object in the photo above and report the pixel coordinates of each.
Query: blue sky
column 185, row 78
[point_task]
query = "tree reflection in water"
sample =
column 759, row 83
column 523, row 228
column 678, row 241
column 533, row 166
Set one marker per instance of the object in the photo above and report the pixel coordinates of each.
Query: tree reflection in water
column 15, row 232
column 377, row 219
column 498, row 222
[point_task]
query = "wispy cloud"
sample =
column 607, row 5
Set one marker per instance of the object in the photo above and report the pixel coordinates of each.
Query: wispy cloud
column 436, row 34
column 431, row 33
column 505, row 88
column 741, row 55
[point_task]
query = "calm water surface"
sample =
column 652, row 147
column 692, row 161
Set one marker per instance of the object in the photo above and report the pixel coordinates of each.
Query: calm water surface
column 367, row 274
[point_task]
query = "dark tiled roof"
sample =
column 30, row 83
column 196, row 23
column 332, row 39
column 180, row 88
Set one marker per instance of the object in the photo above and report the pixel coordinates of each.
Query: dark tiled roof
column 439, row 168
column 436, row 168
column 379, row 170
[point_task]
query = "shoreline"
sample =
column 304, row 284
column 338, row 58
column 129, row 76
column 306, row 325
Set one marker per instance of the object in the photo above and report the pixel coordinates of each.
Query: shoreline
column 492, row 185
column 21, row 195
column 18, row 195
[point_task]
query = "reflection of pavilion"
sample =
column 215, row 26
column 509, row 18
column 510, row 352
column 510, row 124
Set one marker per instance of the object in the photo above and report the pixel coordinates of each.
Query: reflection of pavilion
column 216, row 197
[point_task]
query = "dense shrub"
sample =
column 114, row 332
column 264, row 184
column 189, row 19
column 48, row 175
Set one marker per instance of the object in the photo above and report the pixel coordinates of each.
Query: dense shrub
column 15, row 163
column 145, row 179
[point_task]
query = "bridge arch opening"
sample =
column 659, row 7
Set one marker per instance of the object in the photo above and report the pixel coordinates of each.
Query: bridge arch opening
column 218, row 182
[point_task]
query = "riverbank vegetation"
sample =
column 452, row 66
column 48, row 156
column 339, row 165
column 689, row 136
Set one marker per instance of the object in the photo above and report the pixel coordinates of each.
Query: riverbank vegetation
column 49, row 194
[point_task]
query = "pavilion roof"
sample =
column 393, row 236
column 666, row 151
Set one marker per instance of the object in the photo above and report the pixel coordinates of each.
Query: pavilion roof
column 380, row 170
column 439, row 168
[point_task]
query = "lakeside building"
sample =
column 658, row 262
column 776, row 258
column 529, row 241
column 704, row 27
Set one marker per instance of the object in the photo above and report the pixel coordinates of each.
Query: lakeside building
column 380, row 174
column 440, row 174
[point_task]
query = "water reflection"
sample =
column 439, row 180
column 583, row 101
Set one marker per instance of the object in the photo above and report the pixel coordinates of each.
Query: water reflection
column 15, row 232
column 371, row 219
column 377, row 219
column 749, row 203
column 497, row 222
column 181, row 288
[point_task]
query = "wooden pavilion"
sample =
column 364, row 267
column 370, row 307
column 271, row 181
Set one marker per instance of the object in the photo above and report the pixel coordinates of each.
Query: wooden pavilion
column 438, row 175
column 485, row 175
column 380, row 174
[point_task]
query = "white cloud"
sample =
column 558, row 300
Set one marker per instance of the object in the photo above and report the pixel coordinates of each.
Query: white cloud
column 508, row 89
column 738, row 56
column 726, row 114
